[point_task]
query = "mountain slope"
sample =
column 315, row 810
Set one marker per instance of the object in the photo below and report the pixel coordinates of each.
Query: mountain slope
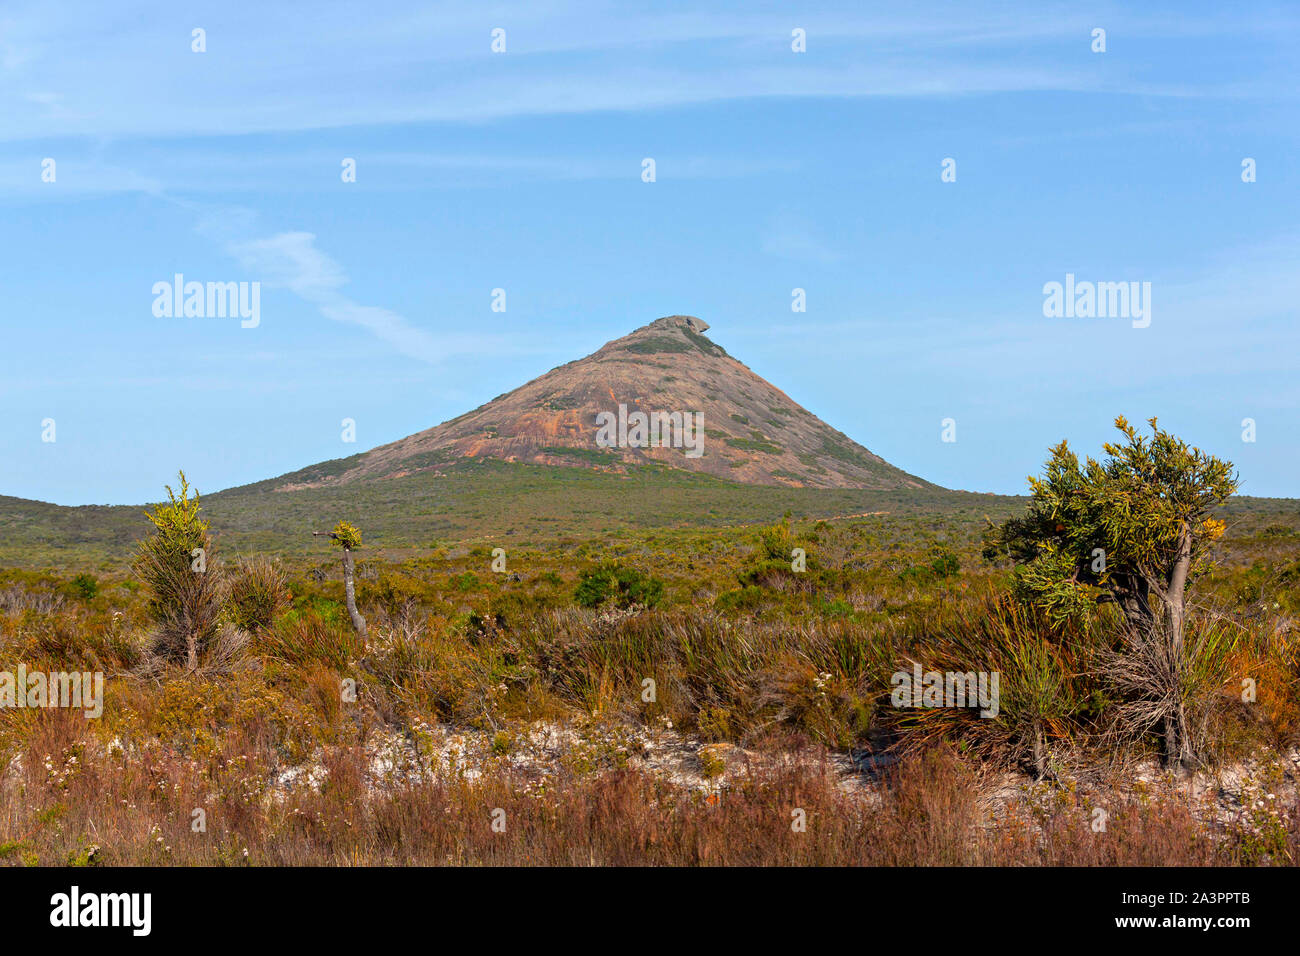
column 753, row 433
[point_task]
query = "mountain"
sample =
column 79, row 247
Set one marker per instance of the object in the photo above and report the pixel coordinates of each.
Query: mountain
column 528, row 463
column 747, row 430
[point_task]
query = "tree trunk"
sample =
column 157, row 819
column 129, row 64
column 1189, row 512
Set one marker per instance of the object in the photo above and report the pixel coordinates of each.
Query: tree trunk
column 1178, row 744
column 349, row 589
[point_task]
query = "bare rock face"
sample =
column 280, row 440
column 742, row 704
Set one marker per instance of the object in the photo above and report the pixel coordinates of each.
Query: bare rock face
column 738, row 426
column 679, row 322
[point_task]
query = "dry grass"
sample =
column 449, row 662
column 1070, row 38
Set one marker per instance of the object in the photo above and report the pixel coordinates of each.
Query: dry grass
column 107, row 810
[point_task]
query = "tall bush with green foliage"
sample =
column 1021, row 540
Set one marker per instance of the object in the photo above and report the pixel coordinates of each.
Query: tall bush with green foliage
column 183, row 584
column 1133, row 531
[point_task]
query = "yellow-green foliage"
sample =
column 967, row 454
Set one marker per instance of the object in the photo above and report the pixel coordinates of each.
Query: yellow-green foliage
column 258, row 594
column 197, row 717
column 346, row 536
column 1115, row 526
column 182, row 578
column 179, row 531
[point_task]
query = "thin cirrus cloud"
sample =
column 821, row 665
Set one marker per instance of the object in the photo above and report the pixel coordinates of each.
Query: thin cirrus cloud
column 292, row 261
column 411, row 64
column 20, row 179
column 249, row 168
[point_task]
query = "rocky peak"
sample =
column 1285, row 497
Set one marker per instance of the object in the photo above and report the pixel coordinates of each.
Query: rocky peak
column 689, row 322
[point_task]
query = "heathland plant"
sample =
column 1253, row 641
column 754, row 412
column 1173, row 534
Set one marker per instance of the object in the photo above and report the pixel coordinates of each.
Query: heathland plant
column 1133, row 531
column 619, row 585
column 183, row 584
column 1043, row 684
column 258, row 594
column 348, row 537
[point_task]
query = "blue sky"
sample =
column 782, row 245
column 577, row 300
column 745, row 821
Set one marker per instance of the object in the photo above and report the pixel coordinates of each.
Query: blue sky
column 521, row 170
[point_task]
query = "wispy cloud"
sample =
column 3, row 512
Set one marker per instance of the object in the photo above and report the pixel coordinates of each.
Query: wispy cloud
column 294, row 67
column 250, row 169
column 292, row 261
column 75, row 177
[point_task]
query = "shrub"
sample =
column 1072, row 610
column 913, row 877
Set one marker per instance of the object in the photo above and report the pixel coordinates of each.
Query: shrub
column 1043, row 688
column 749, row 598
column 258, row 594
column 945, row 563
column 712, row 763
column 777, row 541
column 305, row 637
column 179, row 574
column 84, row 586
column 346, row 535
column 1135, row 531
column 620, row 585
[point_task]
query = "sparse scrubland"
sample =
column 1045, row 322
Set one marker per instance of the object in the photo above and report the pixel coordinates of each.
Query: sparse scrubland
column 722, row 695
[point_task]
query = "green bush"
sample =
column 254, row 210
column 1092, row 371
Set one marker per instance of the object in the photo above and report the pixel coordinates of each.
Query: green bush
column 258, row 594
column 619, row 585
column 748, row 598
column 84, row 586
column 176, row 565
column 945, row 564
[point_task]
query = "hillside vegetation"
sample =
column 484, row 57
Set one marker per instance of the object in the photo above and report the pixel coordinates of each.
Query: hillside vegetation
column 475, row 498
column 515, row 681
